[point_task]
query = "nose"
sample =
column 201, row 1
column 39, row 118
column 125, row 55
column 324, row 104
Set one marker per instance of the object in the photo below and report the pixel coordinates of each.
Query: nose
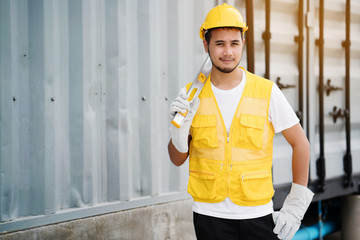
column 227, row 50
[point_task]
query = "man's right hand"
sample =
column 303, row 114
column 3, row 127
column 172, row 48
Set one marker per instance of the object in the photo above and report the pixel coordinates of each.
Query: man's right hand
column 179, row 136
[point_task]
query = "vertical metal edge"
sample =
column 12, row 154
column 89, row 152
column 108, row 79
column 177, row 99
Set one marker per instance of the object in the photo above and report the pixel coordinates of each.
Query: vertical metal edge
column 320, row 162
column 250, row 46
column 347, row 160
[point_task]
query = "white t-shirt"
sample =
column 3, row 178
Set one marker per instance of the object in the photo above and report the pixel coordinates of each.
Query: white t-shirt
column 282, row 117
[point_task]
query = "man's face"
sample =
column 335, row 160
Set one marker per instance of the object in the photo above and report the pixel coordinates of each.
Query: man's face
column 225, row 48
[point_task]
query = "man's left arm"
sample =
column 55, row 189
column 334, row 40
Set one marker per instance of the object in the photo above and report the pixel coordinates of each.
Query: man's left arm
column 297, row 139
column 288, row 219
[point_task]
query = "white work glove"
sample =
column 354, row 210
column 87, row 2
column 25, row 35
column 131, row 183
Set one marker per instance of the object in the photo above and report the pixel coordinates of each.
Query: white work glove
column 179, row 136
column 287, row 220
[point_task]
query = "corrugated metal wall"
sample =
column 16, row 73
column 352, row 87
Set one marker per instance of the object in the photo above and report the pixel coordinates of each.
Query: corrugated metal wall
column 85, row 88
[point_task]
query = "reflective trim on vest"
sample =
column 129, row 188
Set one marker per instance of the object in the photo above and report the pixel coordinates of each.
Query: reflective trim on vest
column 237, row 165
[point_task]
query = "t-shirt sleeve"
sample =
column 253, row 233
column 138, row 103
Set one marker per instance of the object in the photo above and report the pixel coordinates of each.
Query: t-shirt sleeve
column 281, row 113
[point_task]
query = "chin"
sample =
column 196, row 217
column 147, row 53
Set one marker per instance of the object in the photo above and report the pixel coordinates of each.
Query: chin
column 227, row 69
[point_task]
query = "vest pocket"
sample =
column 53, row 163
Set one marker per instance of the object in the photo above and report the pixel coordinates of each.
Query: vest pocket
column 202, row 185
column 250, row 132
column 204, row 132
column 256, row 186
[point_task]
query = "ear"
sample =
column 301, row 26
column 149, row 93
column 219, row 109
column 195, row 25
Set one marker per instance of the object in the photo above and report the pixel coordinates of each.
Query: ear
column 206, row 46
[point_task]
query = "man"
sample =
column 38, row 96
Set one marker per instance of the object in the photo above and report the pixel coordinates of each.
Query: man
column 231, row 126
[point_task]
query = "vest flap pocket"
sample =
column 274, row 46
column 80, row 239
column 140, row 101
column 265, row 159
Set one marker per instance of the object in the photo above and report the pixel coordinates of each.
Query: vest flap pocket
column 256, row 186
column 204, row 132
column 251, row 131
column 202, row 185
column 204, row 121
column 252, row 121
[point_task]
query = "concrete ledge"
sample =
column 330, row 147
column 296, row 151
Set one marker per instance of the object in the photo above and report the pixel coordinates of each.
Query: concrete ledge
column 171, row 220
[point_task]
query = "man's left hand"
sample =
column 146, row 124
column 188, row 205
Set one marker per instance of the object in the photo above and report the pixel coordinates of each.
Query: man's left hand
column 288, row 219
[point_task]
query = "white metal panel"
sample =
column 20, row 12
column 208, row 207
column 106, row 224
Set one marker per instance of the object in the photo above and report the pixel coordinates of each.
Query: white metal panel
column 284, row 65
column 355, row 84
column 334, row 69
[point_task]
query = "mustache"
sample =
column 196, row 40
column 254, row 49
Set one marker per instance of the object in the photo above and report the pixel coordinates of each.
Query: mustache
column 227, row 59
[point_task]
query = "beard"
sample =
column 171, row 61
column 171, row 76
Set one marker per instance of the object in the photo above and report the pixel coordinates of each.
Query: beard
column 224, row 69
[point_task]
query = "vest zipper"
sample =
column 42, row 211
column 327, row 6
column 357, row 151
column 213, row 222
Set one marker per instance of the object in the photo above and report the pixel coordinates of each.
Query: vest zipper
column 228, row 160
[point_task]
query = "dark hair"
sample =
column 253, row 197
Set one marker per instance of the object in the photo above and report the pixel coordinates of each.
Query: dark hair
column 208, row 33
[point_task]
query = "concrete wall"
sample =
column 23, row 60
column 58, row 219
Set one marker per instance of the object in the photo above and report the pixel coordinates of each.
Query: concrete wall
column 159, row 222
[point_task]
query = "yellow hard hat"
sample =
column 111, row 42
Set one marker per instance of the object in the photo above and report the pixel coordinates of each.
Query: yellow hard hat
column 222, row 16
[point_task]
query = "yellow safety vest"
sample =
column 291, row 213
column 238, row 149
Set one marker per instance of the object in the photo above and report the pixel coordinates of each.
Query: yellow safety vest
column 235, row 165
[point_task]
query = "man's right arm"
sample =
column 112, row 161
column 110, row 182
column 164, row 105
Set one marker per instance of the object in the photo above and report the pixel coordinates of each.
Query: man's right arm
column 176, row 157
column 179, row 137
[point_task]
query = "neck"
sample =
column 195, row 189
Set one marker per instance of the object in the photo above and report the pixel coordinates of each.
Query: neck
column 226, row 81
